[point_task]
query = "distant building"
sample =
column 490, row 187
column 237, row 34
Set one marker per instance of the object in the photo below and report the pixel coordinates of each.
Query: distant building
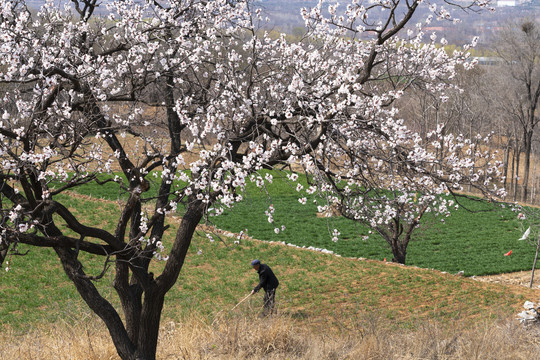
column 502, row 3
column 488, row 60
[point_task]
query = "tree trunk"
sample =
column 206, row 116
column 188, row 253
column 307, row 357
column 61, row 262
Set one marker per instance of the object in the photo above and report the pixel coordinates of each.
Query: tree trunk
column 533, row 183
column 399, row 246
column 473, row 159
column 505, row 163
column 528, row 147
column 130, row 298
column 130, row 291
column 73, row 269
column 137, row 340
column 399, row 252
column 155, row 295
column 511, row 182
column 4, row 248
column 517, row 154
column 149, row 325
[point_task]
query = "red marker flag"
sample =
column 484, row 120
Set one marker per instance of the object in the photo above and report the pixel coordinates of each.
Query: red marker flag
column 508, row 253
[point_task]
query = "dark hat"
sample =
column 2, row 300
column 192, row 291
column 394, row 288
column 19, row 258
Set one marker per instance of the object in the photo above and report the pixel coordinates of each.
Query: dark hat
column 255, row 262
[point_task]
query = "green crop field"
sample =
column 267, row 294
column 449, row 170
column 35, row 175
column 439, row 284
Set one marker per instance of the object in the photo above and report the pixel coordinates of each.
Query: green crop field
column 319, row 288
column 471, row 241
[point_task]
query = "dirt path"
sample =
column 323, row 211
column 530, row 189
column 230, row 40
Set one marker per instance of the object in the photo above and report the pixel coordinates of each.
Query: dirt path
column 521, row 278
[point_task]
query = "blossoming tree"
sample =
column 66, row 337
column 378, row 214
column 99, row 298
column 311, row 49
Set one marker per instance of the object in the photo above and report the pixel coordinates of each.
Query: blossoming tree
column 368, row 164
column 76, row 91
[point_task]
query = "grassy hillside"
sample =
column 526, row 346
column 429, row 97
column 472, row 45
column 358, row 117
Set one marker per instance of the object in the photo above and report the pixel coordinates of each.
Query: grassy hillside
column 473, row 240
column 323, row 289
column 329, row 307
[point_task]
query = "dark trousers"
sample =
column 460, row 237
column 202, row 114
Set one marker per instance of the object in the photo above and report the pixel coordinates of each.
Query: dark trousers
column 269, row 301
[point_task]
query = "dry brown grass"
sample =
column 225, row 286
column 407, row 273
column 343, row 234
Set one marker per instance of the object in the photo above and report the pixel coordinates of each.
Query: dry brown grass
column 247, row 337
column 87, row 340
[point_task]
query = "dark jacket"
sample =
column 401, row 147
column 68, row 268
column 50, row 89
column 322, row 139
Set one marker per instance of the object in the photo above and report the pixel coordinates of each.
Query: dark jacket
column 267, row 279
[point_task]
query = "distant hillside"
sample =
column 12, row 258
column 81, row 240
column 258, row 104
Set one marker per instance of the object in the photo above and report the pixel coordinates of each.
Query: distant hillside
column 284, row 15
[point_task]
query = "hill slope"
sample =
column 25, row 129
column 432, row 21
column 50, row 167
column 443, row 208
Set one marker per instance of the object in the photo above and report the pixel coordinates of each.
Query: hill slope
column 322, row 288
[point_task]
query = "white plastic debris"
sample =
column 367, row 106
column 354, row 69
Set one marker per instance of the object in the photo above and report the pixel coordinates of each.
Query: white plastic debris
column 526, row 234
column 529, row 305
column 527, row 315
column 530, row 315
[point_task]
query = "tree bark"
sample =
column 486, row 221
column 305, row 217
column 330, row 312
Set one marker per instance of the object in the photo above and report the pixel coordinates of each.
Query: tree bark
column 527, row 144
column 506, row 159
column 399, row 252
column 85, row 287
column 517, row 154
column 512, row 170
column 149, row 324
column 154, row 296
column 4, row 248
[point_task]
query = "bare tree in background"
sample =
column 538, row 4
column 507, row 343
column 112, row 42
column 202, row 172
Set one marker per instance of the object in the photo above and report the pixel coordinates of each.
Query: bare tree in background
column 519, row 47
column 465, row 109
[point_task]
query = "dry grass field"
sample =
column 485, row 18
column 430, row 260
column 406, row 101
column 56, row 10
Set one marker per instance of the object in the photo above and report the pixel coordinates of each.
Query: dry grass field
column 246, row 337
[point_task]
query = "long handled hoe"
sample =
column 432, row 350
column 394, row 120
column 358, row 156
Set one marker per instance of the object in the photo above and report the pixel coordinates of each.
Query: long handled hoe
column 241, row 301
column 220, row 313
